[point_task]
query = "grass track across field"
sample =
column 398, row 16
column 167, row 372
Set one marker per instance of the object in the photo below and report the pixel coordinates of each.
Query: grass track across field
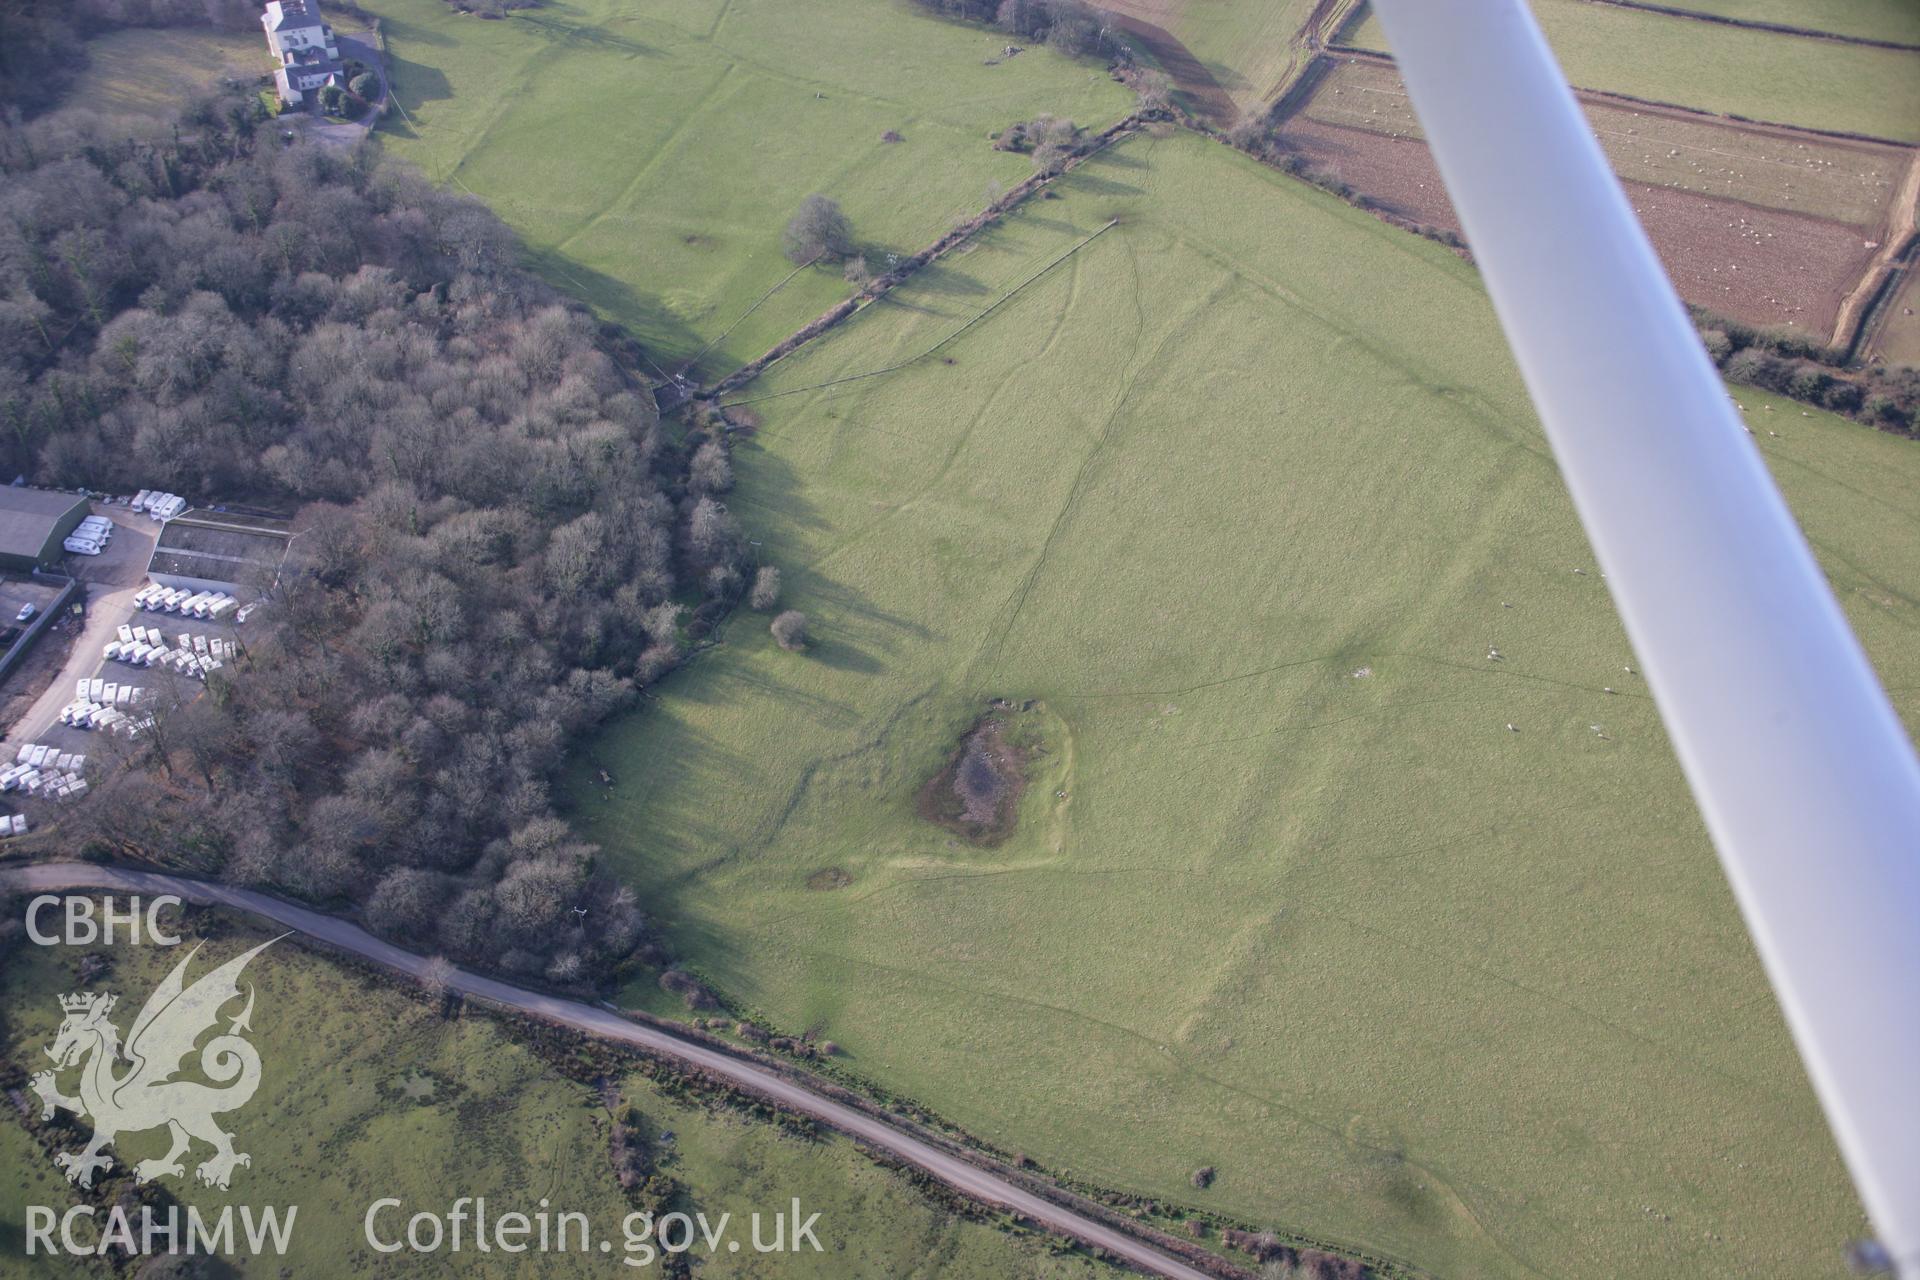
column 1240, row 496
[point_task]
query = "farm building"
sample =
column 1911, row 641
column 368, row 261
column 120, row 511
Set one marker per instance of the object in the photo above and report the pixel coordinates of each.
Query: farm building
column 33, row 524
column 220, row 551
column 304, row 47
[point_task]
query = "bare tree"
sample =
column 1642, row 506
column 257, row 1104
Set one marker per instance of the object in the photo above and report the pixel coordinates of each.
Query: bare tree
column 790, row 629
column 818, row 230
column 710, row 472
column 435, row 976
column 1154, row 88
column 711, row 531
column 766, row 588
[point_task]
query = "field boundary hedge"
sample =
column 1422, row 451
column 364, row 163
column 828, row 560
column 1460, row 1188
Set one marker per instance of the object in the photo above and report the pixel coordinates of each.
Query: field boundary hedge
column 947, row 243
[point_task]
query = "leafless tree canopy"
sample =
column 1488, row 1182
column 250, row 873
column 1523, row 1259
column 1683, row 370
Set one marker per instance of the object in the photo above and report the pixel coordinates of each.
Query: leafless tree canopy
column 790, row 629
column 492, row 527
column 818, row 230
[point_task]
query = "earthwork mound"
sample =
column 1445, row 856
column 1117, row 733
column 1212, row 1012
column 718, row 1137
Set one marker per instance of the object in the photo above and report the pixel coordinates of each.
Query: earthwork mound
column 976, row 794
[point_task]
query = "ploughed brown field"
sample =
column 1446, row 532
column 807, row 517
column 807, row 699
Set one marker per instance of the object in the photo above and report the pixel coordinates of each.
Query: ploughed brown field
column 1766, row 225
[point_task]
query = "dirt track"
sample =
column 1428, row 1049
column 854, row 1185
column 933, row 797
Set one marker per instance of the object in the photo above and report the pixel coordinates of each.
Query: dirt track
column 971, row 1180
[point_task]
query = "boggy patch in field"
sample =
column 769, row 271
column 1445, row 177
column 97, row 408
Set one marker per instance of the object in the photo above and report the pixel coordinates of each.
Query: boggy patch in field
column 976, row 793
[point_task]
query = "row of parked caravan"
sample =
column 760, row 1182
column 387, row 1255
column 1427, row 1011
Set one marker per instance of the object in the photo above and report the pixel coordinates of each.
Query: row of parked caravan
column 195, row 604
column 43, row 771
column 190, row 655
column 160, row 506
column 116, row 707
column 90, row 536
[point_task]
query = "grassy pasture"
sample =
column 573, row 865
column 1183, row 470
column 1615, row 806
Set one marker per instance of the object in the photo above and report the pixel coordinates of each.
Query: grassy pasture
column 1850, row 182
column 368, row 1094
column 1762, row 75
column 35, row 1182
column 1897, row 338
column 1896, row 20
column 651, row 153
column 1245, row 47
column 1240, row 494
column 147, row 71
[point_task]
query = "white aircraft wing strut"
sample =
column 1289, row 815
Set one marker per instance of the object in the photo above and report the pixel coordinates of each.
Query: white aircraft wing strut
column 1807, row 781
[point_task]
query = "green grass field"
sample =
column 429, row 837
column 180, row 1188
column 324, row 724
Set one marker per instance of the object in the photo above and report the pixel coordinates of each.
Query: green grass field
column 1897, row 339
column 651, row 153
column 1241, row 494
column 1762, row 75
column 1245, row 47
column 147, row 71
column 1896, row 20
column 369, row 1094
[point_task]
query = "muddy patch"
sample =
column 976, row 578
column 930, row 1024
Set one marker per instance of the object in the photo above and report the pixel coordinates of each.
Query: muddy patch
column 976, row 794
column 829, row 878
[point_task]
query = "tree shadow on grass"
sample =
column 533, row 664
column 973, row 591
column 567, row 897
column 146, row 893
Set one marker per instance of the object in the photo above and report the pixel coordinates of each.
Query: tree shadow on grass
column 413, row 33
column 413, row 85
column 928, row 307
column 850, row 602
column 714, row 687
column 774, row 477
column 1058, row 226
column 657, row 759
column 580, row 33
column 939, row 279
column 841, row 656
column 645, row 317
column 1224, row 76
column 1095, row 185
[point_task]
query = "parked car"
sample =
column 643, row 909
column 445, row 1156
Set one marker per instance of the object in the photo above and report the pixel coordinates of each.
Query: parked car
column 26, row 611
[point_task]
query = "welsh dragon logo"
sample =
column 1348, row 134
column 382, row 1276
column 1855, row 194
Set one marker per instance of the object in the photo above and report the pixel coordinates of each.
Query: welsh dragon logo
column 145, row 1094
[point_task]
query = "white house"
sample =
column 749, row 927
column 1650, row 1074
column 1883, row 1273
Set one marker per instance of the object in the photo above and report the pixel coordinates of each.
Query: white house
column 304, row 47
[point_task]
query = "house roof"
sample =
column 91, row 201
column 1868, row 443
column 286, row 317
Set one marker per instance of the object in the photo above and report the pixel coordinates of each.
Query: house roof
column 295, row 14
column 307, row 63
column 28, row 518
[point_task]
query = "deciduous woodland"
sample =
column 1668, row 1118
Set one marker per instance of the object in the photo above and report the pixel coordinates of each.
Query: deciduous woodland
column 496, row 544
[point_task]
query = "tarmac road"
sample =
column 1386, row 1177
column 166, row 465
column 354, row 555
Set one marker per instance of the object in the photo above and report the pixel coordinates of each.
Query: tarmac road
column 970, row 1180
